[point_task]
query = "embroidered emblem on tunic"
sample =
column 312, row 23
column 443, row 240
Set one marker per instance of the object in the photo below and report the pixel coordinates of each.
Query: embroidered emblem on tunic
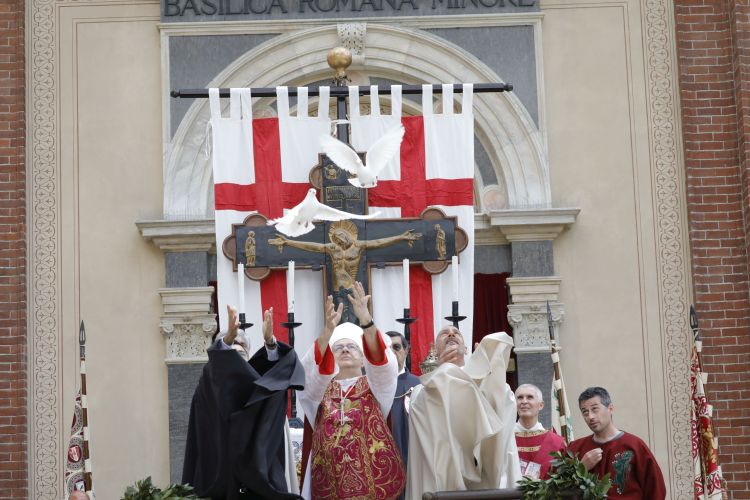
column 622, row 465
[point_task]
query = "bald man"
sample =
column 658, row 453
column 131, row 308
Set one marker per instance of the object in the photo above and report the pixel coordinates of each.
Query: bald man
column 463, row 410
column 534, row 442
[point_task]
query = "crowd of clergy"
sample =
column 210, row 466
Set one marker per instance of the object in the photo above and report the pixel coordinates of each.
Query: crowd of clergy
column 373, row 430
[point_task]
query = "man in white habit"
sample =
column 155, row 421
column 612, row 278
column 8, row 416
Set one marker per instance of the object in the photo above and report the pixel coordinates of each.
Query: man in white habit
column 353, row 454
column 462, row 419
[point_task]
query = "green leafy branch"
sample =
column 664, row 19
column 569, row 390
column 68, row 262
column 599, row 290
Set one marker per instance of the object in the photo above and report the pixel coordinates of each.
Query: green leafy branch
column 568, row 479
column 145, row 490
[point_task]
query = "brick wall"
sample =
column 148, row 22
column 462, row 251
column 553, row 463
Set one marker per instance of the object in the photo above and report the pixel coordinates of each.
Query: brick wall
column 713, row 51
column 13, row 431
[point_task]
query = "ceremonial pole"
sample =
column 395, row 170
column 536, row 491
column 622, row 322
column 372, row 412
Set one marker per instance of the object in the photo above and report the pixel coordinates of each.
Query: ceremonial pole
column 78, row 464
column 343, row 91
column 558, row 383
column 87, row 480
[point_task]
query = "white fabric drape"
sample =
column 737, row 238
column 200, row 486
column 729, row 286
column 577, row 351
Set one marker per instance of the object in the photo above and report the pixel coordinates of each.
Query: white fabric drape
column 461, row 425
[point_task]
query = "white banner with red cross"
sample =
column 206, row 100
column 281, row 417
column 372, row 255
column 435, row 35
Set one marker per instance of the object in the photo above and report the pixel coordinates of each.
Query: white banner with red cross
column 262, row 165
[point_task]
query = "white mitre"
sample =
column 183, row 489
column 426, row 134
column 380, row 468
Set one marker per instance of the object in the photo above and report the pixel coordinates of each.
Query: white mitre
column 348, row 331
column 352, row 332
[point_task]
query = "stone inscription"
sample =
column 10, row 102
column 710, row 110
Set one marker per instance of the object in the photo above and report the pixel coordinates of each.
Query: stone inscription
column 221, row 10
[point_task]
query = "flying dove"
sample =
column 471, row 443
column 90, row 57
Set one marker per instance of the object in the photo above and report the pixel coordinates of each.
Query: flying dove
column 366, row 175
column 298, row 220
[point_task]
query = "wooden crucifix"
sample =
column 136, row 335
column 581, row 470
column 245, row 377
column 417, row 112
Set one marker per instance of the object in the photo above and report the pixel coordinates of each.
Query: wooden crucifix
column 347, row 250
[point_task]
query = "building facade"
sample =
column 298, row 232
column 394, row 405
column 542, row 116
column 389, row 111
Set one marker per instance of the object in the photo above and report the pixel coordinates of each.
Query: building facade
column 612, row 182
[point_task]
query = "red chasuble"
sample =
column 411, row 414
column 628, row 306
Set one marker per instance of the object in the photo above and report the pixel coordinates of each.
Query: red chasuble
column 632, row 467
column 354, row 455
column 534, row 448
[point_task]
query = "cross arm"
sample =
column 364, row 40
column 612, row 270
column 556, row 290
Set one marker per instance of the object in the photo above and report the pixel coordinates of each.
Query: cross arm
column 261, row 248
column 409, row 236
column 432, row 239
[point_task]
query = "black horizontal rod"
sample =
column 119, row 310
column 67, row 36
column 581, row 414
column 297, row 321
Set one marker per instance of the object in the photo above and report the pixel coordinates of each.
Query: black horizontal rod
column 479, row 88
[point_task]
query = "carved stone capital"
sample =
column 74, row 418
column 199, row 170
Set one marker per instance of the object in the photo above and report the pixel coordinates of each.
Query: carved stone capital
column 530, row 327
column 187, row 323
column 528, row 312
column 180, row 235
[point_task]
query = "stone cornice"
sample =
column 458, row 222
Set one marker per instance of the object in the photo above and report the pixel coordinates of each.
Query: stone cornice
column 533, row 224
column 485, row 233
column 534, row 289
column 499, row 227
column 180, row 235
column 186, row 302
column 494, row 228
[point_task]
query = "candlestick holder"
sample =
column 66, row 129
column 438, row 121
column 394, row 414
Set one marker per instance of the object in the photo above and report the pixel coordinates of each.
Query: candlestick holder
column 290, row 324
column 406, row 321
column 455, row 318
column 243, row 325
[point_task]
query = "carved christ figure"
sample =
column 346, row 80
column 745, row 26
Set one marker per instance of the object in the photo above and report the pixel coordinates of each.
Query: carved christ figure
column 344, row 249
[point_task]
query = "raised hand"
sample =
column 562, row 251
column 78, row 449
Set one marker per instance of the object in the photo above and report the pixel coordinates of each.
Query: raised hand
column 359, row 301
column 234, row 325
column 332, row 317
column 452, row 354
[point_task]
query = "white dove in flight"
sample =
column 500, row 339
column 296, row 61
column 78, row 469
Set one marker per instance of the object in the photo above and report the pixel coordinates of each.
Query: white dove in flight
column 298, row 220
column 376, row 159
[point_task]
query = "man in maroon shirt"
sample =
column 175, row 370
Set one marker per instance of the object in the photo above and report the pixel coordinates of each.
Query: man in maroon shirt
column 632, row 467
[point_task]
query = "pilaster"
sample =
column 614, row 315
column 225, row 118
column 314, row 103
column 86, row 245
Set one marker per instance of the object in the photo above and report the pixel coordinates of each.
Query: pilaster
column 531, row 233
column 528, row 316
column 188, row 321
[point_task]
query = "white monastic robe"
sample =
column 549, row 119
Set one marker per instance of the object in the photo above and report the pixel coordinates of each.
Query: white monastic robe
column 461, row 425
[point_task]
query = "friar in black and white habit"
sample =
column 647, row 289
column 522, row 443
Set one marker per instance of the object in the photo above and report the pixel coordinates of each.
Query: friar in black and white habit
column 238, row 444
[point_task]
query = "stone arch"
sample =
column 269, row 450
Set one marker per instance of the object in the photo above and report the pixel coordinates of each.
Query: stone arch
column 503, row 125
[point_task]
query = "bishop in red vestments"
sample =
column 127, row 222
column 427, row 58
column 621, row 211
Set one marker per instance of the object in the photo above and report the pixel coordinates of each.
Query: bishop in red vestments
column 353, row 453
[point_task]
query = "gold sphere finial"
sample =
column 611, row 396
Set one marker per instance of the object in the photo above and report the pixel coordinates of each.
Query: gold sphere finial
column 339, row 58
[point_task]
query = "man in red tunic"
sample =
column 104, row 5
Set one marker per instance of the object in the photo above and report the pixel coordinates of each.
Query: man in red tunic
column 534, row 442
column 353, row 453
column 632, row 467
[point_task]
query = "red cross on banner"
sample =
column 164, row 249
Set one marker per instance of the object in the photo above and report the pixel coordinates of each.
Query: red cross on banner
column 268, row 172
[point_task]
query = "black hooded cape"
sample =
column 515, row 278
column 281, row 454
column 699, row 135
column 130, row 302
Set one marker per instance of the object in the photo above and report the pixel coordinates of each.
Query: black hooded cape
column 235, row 444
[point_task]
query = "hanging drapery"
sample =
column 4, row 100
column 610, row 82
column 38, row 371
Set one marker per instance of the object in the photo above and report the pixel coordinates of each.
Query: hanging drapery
column 435, row 168
column 262, row 165
column 708, row 481
column 490, row 305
